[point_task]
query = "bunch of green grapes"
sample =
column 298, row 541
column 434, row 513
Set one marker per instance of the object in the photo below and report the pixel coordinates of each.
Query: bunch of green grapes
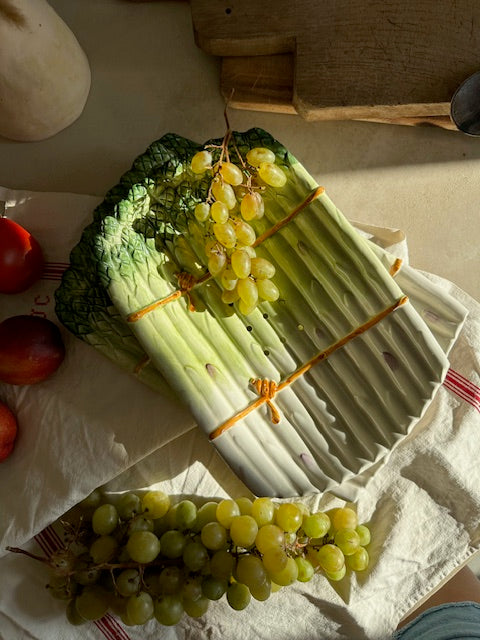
column 142, row 557
column 234, row 201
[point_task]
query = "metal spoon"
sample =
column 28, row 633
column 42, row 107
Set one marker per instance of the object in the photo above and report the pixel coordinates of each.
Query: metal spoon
column 465, row 106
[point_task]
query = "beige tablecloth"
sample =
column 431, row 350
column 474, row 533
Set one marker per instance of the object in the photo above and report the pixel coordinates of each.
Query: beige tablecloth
column 92, row 424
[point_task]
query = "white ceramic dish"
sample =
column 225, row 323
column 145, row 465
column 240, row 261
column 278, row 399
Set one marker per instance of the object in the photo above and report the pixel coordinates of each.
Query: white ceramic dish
column 442, row 313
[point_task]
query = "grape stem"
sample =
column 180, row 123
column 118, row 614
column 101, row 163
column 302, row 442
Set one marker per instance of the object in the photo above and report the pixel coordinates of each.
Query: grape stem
column 109, row 566
column 43, row 559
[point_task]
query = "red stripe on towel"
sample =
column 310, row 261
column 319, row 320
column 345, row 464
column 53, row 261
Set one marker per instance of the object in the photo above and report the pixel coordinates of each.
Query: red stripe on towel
column 49, row 540
column 54, row 270
column 111, row 629
column 463, row 388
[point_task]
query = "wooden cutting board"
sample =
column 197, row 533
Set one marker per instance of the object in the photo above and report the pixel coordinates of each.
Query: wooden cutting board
column 390, row 60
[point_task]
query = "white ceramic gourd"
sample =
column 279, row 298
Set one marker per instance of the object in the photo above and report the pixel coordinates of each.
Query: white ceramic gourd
column 44, row 73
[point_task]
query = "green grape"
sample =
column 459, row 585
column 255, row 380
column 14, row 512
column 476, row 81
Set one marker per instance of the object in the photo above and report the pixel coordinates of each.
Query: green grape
column 170, row 580
column 205, row 570
column 257, row 155
column 364, row 533
column 219, row 212
column 226, row 511
column 160, row 525
column 347, row 540
column 224, row 192
column 191, row 588
column 243, row 531
column 202, row 211
column 330, row 513
column 262, row 269
column 248, row 292
column 263, row 510
column 246, row 309
column 143, row 546
column 171, row 517
column 222, row 564
column 268, row 290
column 140, row 523
column 150, row 581
column 206, row 513
column 62, row 588
column 92, row 603
column 201, row 161
column 316, row 525
column 128, row 582
column 272, row 174
column 335, row 576
column 228, row 280
column 104, row 519
column 241, row 262
column 92, row 500
column 231, row 173
column 359, row 560
column 252, row 206
column 103, row 549
column 214, row 588
column 245, row 506
column 229, row 297
column 305, row 569
column 225, row 234
column 62, row 562
column 274, row 559
column 262, row 591
column 269, row 536
column 186, row 514
column 248, row 249
column 184, row 254
column 117, row 604
column 125, row 619
column 196, row 608
column 250, row 570
column 156, row 504
column 140, row 607
column 73, row 617
column 238, row 596
column 214, row 536
column 287, row 575
column 330, row 558
column 344, row 518
column 245, row 233
column 289, row 517
column 129, row 505
column 168, row 610
column 290, row 537
column 172, row 543
column 216, row 262
column 85, row 573
column 195, row 556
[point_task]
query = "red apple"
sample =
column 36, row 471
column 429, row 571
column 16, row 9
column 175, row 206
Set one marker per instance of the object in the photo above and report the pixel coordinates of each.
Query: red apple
column 8, row 431
column 31, row 349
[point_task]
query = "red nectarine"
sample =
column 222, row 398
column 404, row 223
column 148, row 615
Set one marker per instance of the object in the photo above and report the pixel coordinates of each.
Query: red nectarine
column 31, row 349
column 8, row 431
